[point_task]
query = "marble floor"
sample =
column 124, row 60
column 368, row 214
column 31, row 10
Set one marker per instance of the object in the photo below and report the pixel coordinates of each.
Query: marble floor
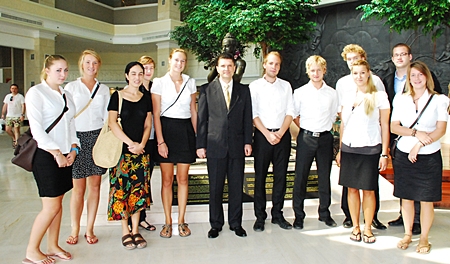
column 317, row 243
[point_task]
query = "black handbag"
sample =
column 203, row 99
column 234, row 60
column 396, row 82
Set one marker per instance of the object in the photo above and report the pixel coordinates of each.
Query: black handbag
column 393, row 145
column 27, row 146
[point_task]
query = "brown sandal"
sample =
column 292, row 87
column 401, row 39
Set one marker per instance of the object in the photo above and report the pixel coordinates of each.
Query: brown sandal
column 139, row 241
column 402, row 244
column 166, row 231
column 130, row 243
column 184, row 230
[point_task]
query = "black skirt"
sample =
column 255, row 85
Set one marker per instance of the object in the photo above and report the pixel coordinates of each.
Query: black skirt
column 359, row 171
column 179, row 136
column 419, row 181
column 51, row 180
column 84, row 165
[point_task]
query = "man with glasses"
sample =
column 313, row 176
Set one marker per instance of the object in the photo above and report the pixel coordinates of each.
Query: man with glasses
column 14, row 108
column 395, row 83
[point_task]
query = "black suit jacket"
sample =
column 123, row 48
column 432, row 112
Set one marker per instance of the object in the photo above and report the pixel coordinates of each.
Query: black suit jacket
column 388, row 82
column 221, row 131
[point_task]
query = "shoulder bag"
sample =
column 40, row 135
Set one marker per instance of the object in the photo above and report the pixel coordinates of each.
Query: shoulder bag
column 90, row 100
column 27, row 146
column 176, row 98
column 108, row 148
column 393, row 144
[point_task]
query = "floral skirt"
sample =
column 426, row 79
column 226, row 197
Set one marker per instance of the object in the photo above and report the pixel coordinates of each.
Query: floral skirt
column 129, row 186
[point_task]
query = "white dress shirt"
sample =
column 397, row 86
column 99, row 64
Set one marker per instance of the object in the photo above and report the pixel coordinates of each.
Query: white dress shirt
column 44, row 106
column 14, row 107
column 165, row 87
column 271, row 102
column 96, row 114
column 404, row 110
column 317, row 108
column 230, row 88
column 361, row 130
column 346, row 85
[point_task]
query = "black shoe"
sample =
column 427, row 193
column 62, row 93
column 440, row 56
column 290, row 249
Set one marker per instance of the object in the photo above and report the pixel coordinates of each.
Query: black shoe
column 328, row 221
column 298, row 224
column 214, row 232
column 239, row 231
column 416, row 229
column 282, row 223
column 378, row 225
column 347, row 222
column 258, row 226
column 396, row 222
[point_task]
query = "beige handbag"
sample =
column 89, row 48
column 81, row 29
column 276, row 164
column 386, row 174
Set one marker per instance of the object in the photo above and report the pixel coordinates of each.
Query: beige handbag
column 108, row 148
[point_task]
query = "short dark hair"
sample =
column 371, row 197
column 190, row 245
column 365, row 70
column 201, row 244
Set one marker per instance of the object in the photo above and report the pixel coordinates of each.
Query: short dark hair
column 131, row 65
column 226, row 56
column 14, row 84
column 401, row 45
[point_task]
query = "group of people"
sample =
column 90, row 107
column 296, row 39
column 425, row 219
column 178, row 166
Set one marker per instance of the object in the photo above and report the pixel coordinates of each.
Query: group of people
column 159, row 122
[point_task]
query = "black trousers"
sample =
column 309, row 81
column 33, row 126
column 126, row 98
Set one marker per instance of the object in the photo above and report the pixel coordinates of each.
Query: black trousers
column 233, row 170
column 264, row 153
column 308, row 148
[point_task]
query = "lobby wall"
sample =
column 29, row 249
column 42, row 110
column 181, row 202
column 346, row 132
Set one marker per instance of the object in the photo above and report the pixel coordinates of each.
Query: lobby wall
column 340, row 25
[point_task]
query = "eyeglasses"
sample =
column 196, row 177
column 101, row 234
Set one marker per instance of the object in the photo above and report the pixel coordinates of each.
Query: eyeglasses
column 403, row 54
column 11, row 99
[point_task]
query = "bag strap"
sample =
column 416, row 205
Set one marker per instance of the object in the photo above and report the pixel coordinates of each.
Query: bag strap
column 59, row 117
column 90, row 100
column 421, row 112
column 175, row 99
column 120, row 106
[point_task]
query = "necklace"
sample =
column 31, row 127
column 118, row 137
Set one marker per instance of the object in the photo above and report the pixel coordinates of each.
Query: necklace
column 271, row 82
column 176, row 81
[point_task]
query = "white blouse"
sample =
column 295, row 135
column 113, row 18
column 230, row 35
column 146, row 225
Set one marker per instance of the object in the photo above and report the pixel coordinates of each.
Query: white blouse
column 44, row 105
column 96, row 114
column 404, row 110
column 361, row 130
column 165, row 87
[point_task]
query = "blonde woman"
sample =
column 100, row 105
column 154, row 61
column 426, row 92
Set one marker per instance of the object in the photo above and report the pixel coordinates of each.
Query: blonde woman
column 52, row 163
column 174, row 99
column 418, row 160
column 364, row 146
column 89, row 121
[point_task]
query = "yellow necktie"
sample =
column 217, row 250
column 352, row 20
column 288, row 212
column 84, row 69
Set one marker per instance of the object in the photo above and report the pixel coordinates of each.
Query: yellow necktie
column 227, row 97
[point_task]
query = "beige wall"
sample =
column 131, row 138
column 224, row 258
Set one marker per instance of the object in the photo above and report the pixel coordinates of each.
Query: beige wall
column 34, row 66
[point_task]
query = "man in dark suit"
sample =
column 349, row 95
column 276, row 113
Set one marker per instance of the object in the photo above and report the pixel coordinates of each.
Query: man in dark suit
column 395, row 83
column 224, row 136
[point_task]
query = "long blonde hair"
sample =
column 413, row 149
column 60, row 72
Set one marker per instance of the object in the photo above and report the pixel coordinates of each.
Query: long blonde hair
column 369, row 101
column 49, row 62
column 422, row 68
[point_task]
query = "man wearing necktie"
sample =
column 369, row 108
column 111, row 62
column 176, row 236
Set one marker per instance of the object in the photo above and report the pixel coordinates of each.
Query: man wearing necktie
column 224, row 137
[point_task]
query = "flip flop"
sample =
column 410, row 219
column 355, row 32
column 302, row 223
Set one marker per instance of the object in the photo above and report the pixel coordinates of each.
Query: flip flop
column 47, row 260
column 427, row 247
column 367, row 239
column 91, row 239
column 63, row 255
column 149, row 226
column 72, row 240
column 356, row 237
column 402, row 244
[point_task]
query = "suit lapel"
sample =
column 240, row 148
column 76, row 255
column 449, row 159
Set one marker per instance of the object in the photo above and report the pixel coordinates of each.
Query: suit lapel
column 234, row 95
column 218, row 94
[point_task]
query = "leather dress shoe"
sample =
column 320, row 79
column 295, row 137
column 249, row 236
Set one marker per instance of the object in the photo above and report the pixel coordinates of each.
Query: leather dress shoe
column 416, row 229
column 347, row 222
column 282, row 223
column 214, row 232
column 328, row 221
column 396, row 222
column 258, row 226
column 239, row 231
column 298, row 223
column 378, row 225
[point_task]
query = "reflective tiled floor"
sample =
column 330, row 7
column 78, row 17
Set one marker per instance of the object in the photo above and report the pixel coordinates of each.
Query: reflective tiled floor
column 19, row 204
